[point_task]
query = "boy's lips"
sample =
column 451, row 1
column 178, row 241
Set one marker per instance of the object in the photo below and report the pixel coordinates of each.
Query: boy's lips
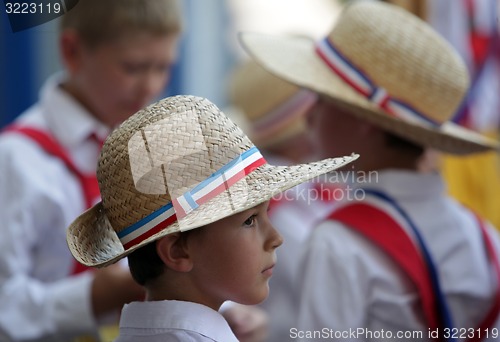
column 268, row 270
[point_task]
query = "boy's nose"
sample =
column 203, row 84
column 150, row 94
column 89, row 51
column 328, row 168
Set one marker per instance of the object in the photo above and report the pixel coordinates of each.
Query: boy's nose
column 153, row 83
column 276, row 239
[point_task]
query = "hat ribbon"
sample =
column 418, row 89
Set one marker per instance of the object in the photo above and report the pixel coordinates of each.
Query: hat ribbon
column 215, row 184
column 362, row 84
column 284, row 113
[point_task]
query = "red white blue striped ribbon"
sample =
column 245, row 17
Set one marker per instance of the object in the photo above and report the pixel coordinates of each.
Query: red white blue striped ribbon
column 219, row 181
column 360, row 82
column 284, row 113
column 444, row 309
column 214, row 185
column 388, row 208
column 148, row 226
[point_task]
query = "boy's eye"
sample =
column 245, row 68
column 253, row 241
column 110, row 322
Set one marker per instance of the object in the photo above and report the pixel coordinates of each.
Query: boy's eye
column 133, row 68
column 164, row 68
column 249, row 222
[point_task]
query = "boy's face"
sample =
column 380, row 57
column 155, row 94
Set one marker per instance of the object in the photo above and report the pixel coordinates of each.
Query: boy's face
column 234, row 257
column 115, row 80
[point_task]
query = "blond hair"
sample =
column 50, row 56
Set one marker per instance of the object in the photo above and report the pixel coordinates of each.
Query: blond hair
column 101, row 21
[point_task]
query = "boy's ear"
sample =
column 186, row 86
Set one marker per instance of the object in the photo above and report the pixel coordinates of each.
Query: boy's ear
column 172, row 250
column 71, row 50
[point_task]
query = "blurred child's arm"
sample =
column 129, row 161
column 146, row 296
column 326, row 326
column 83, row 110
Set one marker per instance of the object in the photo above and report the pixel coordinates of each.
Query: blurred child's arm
column 112, row 288
column 249, row 323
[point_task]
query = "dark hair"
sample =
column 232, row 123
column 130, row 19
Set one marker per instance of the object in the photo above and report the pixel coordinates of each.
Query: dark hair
column 397, row 142
column 145, row 264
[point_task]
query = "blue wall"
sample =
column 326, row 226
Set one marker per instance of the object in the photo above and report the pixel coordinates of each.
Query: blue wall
column 17, row 70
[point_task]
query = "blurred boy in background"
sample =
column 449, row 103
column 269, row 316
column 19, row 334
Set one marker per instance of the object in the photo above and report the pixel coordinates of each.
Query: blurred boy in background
column 117, row 56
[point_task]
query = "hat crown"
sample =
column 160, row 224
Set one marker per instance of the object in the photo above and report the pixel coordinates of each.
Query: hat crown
column 404, row 56
column 257, row 91
column 273, row 108
column 161, row 152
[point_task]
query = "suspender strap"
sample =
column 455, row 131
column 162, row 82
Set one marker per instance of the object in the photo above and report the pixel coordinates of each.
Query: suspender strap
column 492, row 315
column 88, row 183
column 382, row 229
column 442, row 305
column 51, row 146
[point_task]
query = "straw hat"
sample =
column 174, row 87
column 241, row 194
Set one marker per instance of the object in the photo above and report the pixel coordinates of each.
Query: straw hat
column 274, row 109
column 176, row 165
column 384, row 65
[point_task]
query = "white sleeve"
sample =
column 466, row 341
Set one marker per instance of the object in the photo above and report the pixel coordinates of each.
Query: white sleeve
column 331, row 292
column 35, row 306
column 495, row 240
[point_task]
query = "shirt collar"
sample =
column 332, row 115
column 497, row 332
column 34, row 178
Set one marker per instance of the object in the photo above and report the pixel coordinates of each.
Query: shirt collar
column 400, row 183
column 70, row 122
column 172, row 314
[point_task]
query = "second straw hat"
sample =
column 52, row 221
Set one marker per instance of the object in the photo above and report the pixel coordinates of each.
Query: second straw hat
column 386, row 66
column 274, row 109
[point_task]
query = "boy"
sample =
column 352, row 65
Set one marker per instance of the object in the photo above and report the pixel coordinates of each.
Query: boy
column 117, row 56
column 185, row 196
column 404, row 260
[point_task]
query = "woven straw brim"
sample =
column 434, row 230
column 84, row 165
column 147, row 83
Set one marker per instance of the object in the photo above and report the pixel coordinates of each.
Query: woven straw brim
column 93, row 241
column 294, row 59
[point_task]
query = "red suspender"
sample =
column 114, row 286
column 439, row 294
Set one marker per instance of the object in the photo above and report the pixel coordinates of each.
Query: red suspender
column 382, row 229
column 385, row 232
column 51, row 146
column 492, row 315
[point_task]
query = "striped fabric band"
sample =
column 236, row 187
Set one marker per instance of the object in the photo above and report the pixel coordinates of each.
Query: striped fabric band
column 444, row 309
column 284, row 113
column 218, row 182
column 360, row 82
column 148, row 226
column 386, row 207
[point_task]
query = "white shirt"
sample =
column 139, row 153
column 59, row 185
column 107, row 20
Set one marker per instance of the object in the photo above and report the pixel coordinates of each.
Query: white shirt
column 39, row 198
column 349, row 283
column 173, row 321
